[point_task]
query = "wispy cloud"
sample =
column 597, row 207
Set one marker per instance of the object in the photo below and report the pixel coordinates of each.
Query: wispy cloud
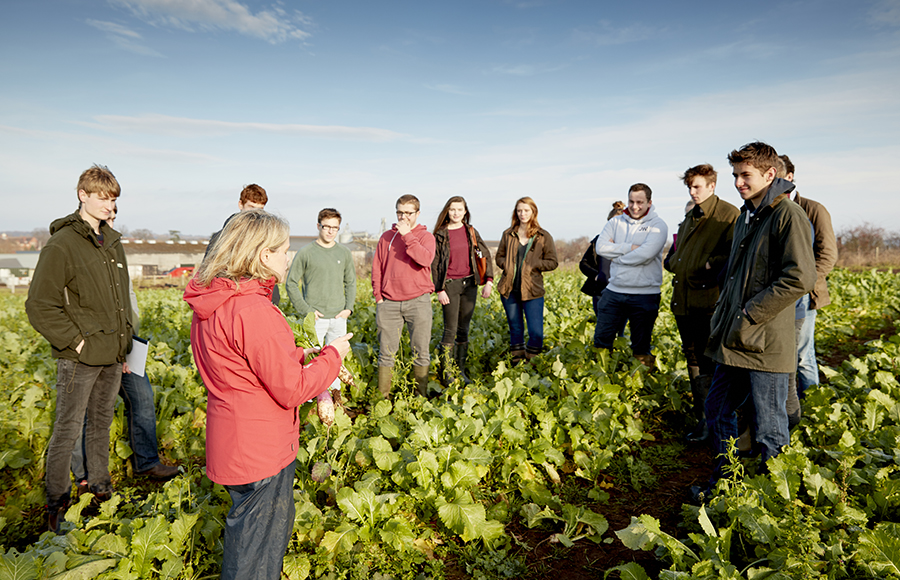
column 445, row 88
column 273, row 25
column 886, row 13
column 124, row 37
column 186, row 127
column 605, row 34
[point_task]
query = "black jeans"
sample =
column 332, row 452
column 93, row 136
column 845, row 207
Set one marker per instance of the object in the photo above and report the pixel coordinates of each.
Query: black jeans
column 463, row 292
column 258, row 527
column 694, row 331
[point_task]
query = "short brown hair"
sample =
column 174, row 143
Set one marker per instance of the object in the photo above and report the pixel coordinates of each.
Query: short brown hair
column 788, row 164
column 328, row 213
column 99, row 179
column 408, row 199
column 705, row 171
column 758, row 154
column 254, row 194
column 641, row 187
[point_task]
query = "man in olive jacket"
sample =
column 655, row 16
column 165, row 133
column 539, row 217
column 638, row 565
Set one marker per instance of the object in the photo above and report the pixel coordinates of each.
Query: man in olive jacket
column 752, row 336
column 700, row 253
column 78, row 300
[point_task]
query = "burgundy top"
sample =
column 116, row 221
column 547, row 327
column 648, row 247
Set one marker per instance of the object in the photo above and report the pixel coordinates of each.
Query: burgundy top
column 460, row 265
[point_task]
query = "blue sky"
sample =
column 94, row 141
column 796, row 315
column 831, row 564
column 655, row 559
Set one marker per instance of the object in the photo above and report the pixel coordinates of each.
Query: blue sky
column 351, row 104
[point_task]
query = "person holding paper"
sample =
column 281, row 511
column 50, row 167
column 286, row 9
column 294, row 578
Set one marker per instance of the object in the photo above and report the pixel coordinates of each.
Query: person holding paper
column 140, row 409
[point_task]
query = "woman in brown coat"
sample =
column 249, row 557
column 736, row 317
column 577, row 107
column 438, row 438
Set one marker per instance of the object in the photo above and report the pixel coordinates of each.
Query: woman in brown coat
column 525, row 252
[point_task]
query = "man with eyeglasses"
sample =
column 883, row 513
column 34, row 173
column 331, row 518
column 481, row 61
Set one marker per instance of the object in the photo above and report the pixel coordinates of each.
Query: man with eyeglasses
column 322, row 280
column 401, row 282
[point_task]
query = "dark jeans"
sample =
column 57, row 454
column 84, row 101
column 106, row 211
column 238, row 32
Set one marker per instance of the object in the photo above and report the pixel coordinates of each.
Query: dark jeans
column 463, row 293
column 81, row 390
column 258, row 527
column 533, row 313
column 694, row 331
column 140, row 413
column 765, row 394
column 615, row 309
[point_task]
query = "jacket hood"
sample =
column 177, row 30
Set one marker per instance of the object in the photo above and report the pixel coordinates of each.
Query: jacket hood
column 778, row 187
column 205, row 300
column 80, row 226
column 651, row 214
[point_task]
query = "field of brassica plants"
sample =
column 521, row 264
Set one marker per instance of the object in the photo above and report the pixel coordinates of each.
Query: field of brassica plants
column 516, row 476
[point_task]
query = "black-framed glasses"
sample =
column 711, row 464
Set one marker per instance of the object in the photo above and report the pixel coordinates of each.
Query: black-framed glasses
column 406, row 213
column 330, row 228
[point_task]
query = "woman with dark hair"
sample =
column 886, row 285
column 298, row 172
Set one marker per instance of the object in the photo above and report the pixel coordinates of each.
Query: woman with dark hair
column 525, row 252
column 596, row 267
column 256, row 377
column 461, row 263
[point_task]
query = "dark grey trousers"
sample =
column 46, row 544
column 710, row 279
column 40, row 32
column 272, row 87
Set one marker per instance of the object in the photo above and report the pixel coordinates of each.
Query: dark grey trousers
column 258, row 527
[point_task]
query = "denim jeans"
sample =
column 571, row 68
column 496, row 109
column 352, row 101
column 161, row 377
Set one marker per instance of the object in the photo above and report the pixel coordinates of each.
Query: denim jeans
column 463, row 292
column 258, row 527
column 328, row 329
column 81, row 390
column 615, row 309
column 808, row 369
column 765, row 395
column 140, row 414
column 390, row 316
column 533, row 313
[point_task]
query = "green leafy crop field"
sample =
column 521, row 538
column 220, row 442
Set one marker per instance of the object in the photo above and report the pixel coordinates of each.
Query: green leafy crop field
column 517, row 476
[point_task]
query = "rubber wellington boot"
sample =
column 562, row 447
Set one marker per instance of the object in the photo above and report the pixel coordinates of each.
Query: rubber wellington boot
column 516, row 353
column 461, row 350
column 421, row 376
column 446, row 353
column 700, row 389
column 385, row 376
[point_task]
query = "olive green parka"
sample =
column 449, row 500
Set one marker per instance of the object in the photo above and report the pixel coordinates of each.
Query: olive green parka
column 80, row 291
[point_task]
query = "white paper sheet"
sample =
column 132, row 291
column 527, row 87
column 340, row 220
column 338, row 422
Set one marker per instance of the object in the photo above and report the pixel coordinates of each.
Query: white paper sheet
column 137, row 358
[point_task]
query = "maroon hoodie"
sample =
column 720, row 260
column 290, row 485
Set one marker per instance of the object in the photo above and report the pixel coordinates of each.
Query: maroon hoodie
column 255, row 378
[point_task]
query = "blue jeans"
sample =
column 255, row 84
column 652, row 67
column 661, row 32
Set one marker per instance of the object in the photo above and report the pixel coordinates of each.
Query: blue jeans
column 765, row 395
column 83, row 393
column 615, row 309
column 258, row 527
column 808, row 369
column 328, row 329
column 533, row 313
column 140, row 414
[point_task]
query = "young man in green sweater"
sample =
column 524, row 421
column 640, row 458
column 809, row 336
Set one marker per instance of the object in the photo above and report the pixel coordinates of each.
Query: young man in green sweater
column 322, row 280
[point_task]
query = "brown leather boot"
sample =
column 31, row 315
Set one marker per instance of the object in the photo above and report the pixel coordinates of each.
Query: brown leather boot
column 648, row 360
column 517, row 353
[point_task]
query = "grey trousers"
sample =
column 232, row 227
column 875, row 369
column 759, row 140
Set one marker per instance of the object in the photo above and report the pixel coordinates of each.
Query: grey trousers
column 82, row 391
column 390, row 317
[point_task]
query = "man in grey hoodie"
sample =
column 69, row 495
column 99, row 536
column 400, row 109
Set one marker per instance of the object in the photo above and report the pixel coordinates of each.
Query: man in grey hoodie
column 771, row 265
column 633, row 243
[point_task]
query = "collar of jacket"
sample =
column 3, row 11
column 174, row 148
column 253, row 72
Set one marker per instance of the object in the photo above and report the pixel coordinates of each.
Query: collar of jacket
column 82, row 228
column 771, row 199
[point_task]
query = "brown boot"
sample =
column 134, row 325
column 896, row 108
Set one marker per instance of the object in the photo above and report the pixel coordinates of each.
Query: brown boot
column 648, row 360
column 421, row 376
column 385, row 376
column 530, row 352
column 517, row 353
column 56, row 511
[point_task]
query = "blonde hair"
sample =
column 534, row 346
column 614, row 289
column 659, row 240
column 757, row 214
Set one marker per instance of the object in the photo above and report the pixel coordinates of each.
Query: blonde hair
column 235, row 255
column 100, row 180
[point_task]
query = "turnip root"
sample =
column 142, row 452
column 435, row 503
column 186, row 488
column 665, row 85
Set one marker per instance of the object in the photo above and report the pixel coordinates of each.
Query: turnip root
column 325, row 407
column 346, row 376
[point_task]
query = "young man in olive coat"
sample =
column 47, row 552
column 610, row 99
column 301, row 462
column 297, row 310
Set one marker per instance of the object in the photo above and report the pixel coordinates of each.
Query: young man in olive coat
column 770, row 267
column 701, row 252
column 78, row 300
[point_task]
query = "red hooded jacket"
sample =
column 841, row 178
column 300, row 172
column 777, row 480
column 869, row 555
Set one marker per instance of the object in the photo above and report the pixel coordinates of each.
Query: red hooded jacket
column 401, row 268
column 255, row 379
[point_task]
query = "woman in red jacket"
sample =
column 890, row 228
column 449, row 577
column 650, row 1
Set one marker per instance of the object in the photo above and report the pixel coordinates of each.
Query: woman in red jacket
column 255, row 378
